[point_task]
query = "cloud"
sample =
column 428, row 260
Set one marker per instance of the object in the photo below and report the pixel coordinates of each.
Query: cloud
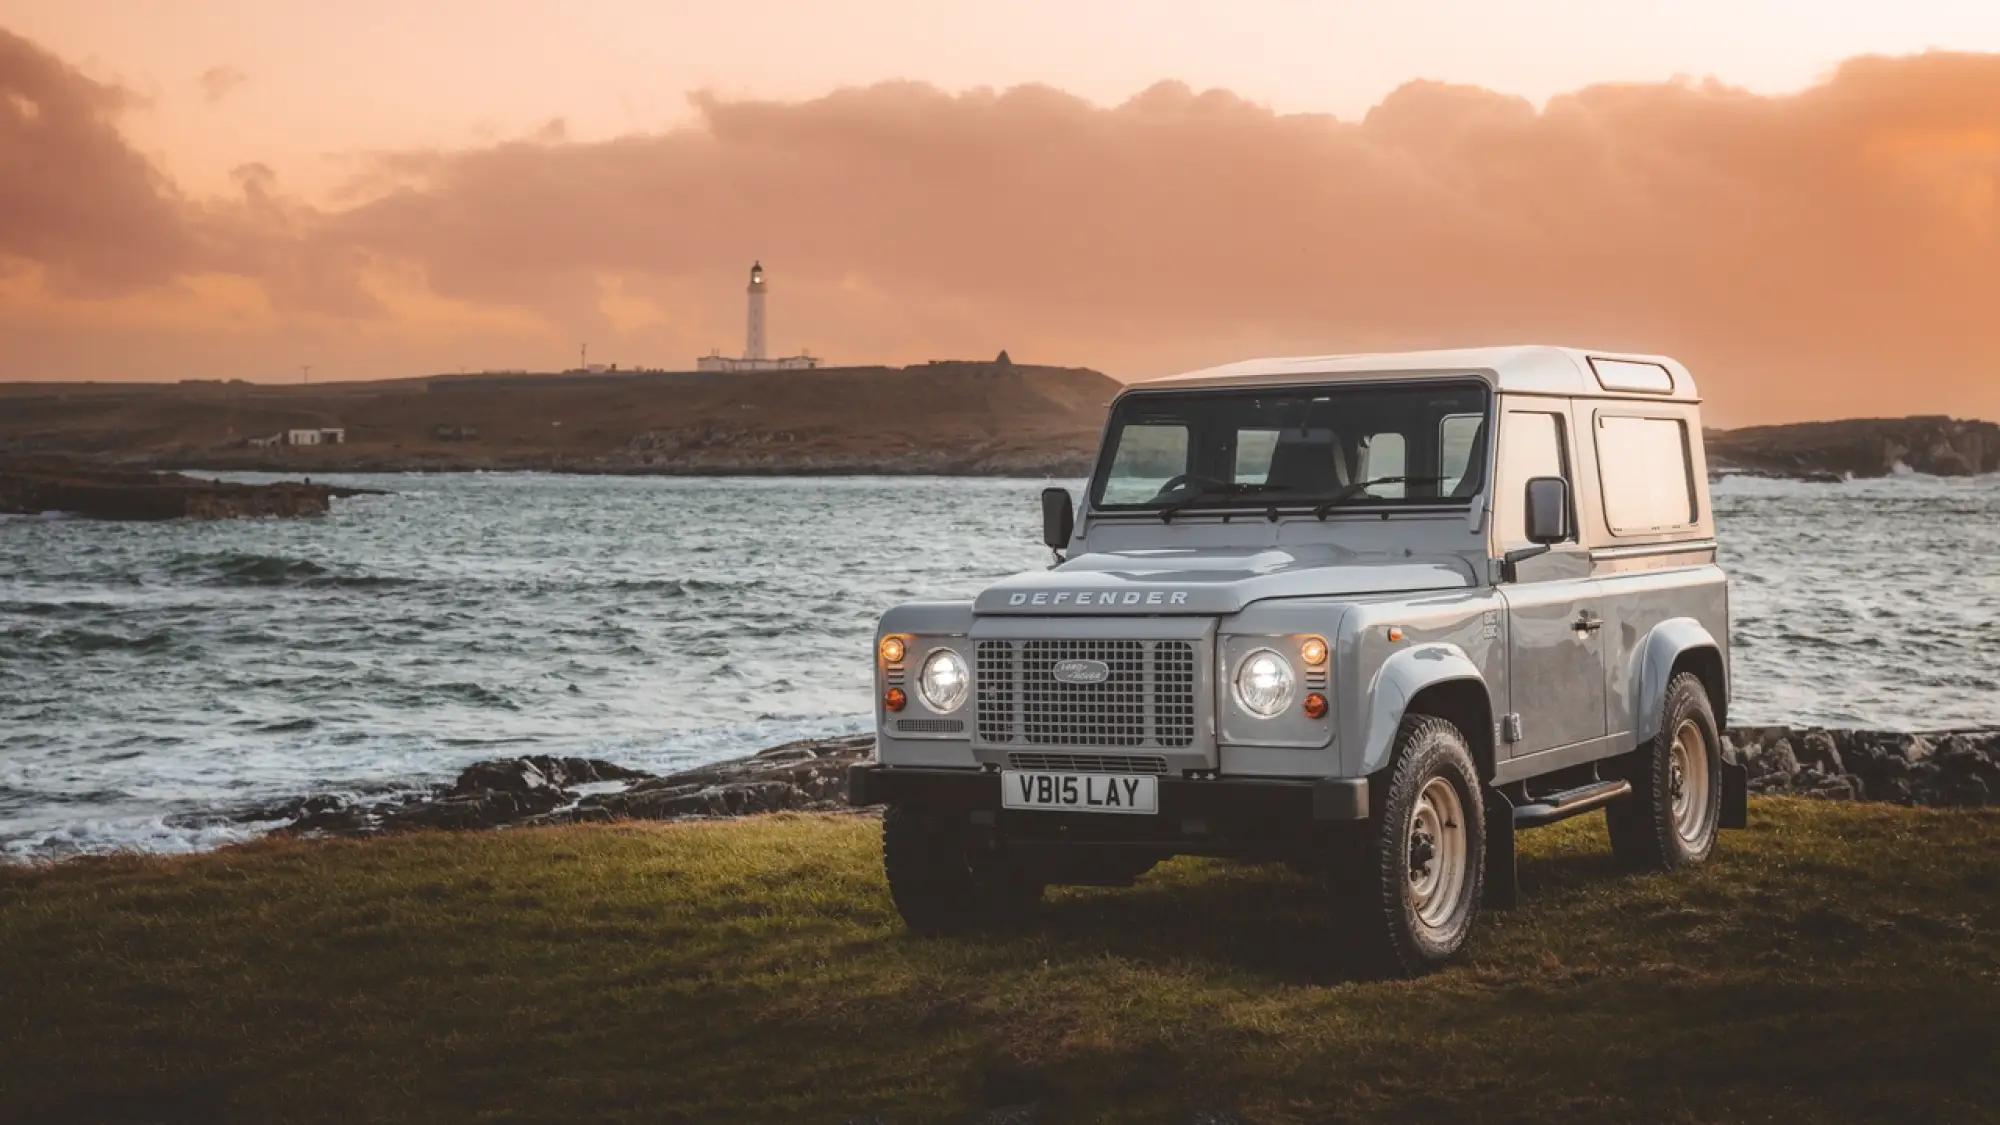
column 1831, row 251
column 75, row 199
column 218, row 82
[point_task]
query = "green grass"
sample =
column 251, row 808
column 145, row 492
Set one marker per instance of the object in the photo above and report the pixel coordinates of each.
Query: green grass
column 1837, row 962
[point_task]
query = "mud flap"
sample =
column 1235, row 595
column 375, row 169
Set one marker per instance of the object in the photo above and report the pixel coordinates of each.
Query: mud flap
column 1735, row 795
column 1503, row 881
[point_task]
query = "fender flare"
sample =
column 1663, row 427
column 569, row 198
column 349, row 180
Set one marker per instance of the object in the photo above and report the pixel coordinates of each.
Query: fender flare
column 1667, row 643
column 1401, row 679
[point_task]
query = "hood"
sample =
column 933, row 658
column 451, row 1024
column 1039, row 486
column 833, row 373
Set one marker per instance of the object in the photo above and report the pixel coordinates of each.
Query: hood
column 1213, row 581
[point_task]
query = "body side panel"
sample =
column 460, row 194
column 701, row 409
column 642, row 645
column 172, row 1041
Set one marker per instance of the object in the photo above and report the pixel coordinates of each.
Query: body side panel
column 1445, row 639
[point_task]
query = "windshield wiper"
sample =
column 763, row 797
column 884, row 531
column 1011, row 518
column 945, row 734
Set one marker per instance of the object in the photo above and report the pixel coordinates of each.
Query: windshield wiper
column 1217, row 490
column 1358, row 487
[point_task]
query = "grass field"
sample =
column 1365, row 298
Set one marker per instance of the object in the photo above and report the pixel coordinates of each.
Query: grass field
column 1836, row 963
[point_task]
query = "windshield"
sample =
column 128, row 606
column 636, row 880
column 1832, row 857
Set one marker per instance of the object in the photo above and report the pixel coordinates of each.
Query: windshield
column 1306, row 446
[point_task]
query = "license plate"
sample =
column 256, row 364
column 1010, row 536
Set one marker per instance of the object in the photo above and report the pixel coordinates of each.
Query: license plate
column 1080, row 792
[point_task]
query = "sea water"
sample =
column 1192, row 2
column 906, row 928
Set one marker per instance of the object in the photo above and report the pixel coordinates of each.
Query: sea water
column 153, row 675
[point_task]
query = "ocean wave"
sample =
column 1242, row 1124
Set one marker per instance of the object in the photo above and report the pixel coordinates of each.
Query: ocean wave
column 249, row 569
column 43, row 641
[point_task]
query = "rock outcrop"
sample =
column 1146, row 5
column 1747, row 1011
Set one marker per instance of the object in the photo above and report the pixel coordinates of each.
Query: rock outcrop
column 30, row 486
column 547, row 790
column 1858, row 447
column 1959, row 768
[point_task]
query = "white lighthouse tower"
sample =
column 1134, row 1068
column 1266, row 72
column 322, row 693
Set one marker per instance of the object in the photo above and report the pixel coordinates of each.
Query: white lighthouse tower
column 756, row 353
column 753, row 345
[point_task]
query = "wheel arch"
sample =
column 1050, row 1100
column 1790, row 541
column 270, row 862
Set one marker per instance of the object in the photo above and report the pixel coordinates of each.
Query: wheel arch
column 1679, row 645
column 1436, row 679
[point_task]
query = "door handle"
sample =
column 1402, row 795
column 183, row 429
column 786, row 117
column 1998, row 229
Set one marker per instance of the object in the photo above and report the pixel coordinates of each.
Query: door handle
column 1587, row 622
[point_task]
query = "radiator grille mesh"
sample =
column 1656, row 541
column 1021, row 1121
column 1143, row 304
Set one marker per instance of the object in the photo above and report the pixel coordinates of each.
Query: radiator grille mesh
column 1145, row 698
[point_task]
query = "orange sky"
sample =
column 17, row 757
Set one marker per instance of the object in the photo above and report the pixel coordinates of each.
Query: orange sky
column 225, row 189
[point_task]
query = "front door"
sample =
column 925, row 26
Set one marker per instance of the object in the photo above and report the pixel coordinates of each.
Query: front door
column 1555, row 619
column 1556, row 655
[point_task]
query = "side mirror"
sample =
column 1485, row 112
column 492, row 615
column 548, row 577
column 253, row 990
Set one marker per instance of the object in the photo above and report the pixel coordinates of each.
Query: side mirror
column 1058, row 518
column 1548, row 511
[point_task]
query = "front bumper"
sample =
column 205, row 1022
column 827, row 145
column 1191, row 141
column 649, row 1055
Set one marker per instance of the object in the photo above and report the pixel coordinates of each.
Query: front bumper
column 1272, row 802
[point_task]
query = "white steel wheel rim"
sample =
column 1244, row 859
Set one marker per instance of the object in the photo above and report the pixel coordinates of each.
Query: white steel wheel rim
column 1438, row 850
column 1688, row 782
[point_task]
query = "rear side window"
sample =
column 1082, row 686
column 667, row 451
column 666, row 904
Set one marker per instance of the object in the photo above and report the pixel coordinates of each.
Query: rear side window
column 1531, row 446
column 1647, row 473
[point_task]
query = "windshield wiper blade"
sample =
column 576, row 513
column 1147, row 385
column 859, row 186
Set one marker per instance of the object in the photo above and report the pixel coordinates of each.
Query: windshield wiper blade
column 1358, row 487
column 1217, row 491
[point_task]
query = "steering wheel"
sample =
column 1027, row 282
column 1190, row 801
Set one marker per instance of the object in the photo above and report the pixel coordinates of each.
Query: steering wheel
column 1183, row 482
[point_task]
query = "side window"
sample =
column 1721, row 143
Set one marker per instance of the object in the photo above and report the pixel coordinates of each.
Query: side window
column 1647, row 473
column 1149, row 455
column 1254, row 449
column 1531, row 445
column 1385, row 455
column 1457, row 435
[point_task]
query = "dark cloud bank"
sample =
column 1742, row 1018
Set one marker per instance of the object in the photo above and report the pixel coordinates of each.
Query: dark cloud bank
column 1832, row 251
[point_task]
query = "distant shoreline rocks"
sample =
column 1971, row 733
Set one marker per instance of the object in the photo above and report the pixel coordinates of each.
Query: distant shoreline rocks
column 1857, row 448
column 34, row 486
column 1958, row 768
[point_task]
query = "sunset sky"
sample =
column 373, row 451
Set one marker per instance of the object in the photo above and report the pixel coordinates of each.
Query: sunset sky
column 1801, row 200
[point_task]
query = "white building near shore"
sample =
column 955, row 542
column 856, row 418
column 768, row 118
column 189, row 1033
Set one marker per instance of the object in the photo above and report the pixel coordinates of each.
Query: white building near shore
column 755, row 357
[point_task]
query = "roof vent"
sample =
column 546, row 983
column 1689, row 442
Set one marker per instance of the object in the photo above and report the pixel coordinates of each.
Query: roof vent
column 1632, row 375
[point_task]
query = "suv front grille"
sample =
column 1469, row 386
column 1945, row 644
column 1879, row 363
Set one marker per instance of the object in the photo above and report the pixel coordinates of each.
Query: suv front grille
column 1147, row 697
column 1090, row 763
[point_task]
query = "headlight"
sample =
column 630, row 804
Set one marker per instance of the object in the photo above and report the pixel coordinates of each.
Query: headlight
column 944, row 681
column 1264, row 683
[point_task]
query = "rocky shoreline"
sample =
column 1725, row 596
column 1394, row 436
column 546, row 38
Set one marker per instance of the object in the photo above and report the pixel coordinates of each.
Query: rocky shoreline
column 1955, row 768
column 32, row 486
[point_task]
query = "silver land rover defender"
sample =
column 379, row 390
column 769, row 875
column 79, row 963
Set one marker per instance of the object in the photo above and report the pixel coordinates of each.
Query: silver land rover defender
column 1365, row 615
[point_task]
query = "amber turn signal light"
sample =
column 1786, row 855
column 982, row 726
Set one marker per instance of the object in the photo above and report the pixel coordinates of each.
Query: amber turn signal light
column 1313, row 652
column 894, row 699
column 1315, row 705
column 892, row 650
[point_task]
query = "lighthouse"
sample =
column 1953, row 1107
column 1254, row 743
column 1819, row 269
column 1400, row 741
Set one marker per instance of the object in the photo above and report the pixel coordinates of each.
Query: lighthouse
column 753, row 344
column 756, row 352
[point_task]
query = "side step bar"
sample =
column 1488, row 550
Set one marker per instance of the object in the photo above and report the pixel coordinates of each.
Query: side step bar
column 1570, row 802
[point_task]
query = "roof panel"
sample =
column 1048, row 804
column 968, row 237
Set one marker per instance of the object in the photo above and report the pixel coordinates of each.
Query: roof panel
column 1522, row 369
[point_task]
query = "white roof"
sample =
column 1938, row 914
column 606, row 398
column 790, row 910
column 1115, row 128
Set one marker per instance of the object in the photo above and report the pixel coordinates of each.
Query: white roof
column 1521, row 369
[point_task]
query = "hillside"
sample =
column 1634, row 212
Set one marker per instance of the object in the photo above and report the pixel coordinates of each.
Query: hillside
column 937, row 418
column 1835, row 963
column 1859, row 447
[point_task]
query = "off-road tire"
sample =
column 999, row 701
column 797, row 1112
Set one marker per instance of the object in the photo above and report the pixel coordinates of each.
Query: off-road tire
column 940, row 886
column 1380, row 909
column 1649, row 831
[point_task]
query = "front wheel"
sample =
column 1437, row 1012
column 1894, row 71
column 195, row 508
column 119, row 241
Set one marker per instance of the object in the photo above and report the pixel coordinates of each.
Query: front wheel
column 1406, row 898
column 940, row 883
column 1671, row 817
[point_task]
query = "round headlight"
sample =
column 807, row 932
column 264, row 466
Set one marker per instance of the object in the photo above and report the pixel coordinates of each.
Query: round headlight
column 1264, row 683
column 944, row 681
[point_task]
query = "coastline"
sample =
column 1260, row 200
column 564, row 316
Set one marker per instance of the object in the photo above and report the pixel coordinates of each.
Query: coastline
column 951, row 418
column 1958, row 768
